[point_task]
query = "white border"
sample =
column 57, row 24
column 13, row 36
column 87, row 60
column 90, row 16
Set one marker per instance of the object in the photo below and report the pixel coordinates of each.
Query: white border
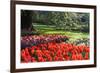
column 20, row 65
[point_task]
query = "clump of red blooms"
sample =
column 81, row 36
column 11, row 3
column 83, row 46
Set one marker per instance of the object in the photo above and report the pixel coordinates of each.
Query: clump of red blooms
column 53, row 51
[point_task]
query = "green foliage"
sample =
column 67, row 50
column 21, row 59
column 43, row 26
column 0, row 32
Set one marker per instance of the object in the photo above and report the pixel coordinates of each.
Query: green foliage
column 63, row 20
column 24, row 33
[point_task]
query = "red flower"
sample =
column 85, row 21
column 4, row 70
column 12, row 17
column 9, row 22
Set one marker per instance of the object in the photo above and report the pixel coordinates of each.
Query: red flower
column 56, row 58
column 79, row 56
column 87, row 49
column 86, row 56
column 43, row 48
column 61, row 59
column 23, row 53
column 74, row 57
column 32, row 51
column 53, row 51
column 67, row 57
column 33, row 59
column 49, row 58
column 74, row 51
column 40, row 59
column 59, row 53
column 39, row 53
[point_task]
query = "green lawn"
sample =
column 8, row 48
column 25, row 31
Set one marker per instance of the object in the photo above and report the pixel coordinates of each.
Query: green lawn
column 45, row 29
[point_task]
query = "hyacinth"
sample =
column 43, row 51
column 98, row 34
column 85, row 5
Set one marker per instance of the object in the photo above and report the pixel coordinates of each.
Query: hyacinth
column 28, row 41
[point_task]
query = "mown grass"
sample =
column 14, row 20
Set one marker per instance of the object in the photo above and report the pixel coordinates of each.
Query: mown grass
column 73, row 35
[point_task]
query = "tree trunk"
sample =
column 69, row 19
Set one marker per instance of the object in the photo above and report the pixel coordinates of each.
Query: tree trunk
column 26, row 19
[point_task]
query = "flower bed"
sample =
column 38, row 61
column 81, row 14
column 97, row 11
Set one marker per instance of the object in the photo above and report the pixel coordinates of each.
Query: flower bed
column 54, row 52
column 28, row 41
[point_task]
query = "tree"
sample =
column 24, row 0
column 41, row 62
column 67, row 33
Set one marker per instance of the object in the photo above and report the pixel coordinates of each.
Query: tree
column 62, row 20
column 26, row 19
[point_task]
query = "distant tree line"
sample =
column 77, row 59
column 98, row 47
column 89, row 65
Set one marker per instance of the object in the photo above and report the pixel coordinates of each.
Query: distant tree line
column 62, row 20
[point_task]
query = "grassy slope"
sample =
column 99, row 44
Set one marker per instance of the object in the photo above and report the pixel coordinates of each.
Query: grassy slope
column 44, row 29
